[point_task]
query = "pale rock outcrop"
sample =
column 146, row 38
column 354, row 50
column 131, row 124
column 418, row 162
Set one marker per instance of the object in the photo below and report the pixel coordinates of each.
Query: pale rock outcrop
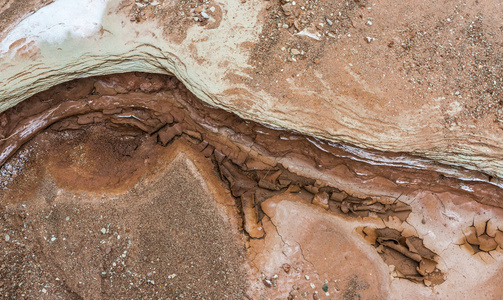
column 425, row 82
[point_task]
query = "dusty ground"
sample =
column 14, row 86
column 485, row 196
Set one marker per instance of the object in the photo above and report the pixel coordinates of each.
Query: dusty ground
column 156, row 233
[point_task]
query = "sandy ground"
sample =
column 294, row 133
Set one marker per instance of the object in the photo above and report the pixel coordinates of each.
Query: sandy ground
column 163, row 235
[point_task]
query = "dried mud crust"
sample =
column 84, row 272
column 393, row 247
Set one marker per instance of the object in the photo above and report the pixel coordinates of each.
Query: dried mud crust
column 109, row 130
column 409, row 54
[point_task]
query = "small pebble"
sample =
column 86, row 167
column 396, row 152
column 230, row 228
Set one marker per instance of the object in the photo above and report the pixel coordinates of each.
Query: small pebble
column 103, row 230
column 7, row 237
column 307, row 277
column 267, row 283
column 286, row 268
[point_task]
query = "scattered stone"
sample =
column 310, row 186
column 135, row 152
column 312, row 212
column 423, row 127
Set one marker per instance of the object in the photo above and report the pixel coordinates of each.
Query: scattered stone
column 7, row 238
column 103, row 230
column 267, row 282
column 306, row 277
column 295, row 51
column 286, row 267
column 293, row 188
column 274, row 280
column 325, row 288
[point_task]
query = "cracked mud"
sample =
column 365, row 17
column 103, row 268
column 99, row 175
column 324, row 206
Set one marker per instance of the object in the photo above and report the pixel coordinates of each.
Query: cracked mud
column 127, row 185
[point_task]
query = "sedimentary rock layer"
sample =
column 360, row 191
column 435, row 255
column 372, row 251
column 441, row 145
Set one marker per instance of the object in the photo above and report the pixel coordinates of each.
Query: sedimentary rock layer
column 427, row 83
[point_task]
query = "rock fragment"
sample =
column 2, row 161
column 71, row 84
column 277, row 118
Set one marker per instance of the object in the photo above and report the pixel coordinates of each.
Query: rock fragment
column 321, row 199
column 251, row 222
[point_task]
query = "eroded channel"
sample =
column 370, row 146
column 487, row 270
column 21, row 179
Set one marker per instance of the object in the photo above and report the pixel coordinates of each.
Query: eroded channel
column 127, row 184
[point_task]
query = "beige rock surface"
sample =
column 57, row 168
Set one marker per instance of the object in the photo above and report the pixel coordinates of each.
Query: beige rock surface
column 423, row 78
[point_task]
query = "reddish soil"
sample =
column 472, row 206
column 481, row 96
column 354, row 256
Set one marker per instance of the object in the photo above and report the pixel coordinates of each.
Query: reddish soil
column 142, row 227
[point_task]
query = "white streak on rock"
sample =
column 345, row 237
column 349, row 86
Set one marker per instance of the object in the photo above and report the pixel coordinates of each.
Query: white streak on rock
column 56, row 22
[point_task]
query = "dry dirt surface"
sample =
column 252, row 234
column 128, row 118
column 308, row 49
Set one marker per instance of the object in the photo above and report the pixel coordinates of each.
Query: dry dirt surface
column 159, row 236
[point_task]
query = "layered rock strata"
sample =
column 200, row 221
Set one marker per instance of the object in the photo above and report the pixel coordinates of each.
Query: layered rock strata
column 426, row 84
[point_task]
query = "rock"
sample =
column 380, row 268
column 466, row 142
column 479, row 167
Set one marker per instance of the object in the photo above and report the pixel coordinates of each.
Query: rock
column 286, row 267
column 7, row 237
column 321, row 199
column 252, row 225
column 267, row 283
column 168, row 133
column 338, row 196
column 293, row 188
column 370, row 235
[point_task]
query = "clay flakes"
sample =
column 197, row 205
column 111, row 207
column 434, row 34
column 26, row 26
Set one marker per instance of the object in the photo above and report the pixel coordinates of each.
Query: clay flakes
column 321, row 199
